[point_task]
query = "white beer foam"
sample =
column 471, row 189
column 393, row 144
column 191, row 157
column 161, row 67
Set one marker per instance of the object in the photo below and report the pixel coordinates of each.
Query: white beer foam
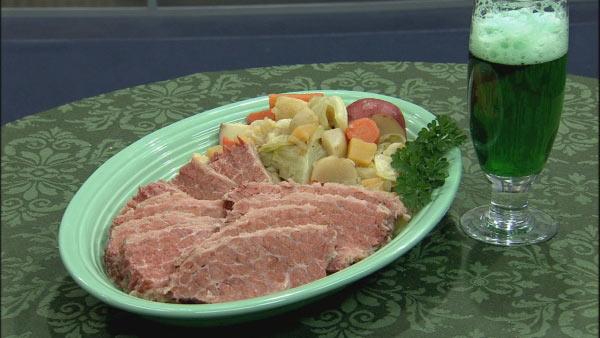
column 520, row 36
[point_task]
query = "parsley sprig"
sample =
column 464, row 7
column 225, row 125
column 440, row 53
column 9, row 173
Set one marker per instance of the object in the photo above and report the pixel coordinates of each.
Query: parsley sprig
column 421, row 164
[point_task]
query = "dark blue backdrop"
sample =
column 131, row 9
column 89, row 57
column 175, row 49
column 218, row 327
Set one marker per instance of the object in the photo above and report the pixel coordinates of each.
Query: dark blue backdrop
column 49, row 61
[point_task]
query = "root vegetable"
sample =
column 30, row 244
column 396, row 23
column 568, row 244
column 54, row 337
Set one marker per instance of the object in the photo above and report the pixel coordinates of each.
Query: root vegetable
column 287, row 107
column 334, row 169
column 334, row 142
column 302, row 117
column 369, row 107
column 388, row 125
column 361, row 152
column 304, row 97
column 364, row 129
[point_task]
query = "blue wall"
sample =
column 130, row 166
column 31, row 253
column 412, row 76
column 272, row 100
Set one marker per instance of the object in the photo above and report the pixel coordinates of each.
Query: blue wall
column 48, row 60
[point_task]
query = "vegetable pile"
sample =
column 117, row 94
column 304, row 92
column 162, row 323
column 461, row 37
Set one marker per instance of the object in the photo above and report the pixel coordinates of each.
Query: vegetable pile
column 312, row 137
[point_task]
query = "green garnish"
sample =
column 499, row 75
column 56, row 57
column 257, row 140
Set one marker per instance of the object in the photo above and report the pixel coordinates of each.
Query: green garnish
column 421, row 164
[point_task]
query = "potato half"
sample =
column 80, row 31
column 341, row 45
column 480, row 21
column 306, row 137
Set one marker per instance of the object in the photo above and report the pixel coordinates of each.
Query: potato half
column 334, row 169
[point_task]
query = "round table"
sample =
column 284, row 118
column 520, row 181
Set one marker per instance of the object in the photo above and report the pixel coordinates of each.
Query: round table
column 448, row 285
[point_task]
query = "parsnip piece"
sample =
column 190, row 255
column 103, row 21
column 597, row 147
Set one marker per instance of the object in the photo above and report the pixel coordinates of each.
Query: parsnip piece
column 304, row 116
column 361, row 152
column 287, row 107
column 334, row 142
column 318, row 105
column 334, row 169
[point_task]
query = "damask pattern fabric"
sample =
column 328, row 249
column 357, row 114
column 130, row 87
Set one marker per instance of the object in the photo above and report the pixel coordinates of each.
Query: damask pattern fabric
column 448, row 285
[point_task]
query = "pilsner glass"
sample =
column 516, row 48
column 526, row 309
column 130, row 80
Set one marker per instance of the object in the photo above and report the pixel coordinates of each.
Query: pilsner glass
column 517, row 72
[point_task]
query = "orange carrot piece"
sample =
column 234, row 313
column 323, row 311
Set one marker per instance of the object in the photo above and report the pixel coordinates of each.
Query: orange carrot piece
column 304, row 97
column 259, row 115
column 228, row 143
column 364, row 128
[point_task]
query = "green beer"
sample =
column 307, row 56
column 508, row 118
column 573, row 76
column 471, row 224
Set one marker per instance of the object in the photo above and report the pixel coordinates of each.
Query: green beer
column 517, row 70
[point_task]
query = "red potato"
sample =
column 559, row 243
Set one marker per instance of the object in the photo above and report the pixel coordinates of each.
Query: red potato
column 369, row 107
column 388, row 125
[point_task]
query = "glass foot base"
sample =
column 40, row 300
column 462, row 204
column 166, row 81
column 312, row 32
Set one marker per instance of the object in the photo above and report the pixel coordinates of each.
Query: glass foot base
column 476, row 224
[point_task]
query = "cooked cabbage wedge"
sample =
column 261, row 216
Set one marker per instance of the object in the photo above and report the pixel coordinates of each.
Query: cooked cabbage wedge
column 383, row 160
column 259, row 132
column 291, row 161
column 331, row 111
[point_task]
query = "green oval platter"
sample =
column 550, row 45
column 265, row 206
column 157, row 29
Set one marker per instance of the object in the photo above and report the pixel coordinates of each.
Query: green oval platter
column 84, row 228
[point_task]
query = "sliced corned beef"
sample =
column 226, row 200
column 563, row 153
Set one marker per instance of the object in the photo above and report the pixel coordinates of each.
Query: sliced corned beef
column 240, row 162
column 150, row 190
column 390, row 200
column 253, row 264
column 172, row 243
column 201, row 181
column 275, row 216
column 145, row 192
column 173, row 201
column 361, row 226
column 113, row 252
column 149, row 258
column 263, row 200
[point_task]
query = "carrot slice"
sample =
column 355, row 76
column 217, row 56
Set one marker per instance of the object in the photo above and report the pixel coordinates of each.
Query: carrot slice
column 228, row 143
column 364, row 128
column 304, row 97
column 259, row 115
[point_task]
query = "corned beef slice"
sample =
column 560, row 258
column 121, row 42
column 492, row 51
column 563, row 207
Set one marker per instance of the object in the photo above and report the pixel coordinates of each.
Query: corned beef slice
column 390, row 200
column 361, row 227
column 113, row 252
column 147, row 191
column 241, row 163
column 173, row 201
column 236, row 164
column 253, row 264
column 276, row 216
column 201, row 181
column 149, row 258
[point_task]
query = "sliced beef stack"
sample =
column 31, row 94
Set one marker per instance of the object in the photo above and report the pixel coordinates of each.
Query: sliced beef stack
column 363, row 219
column 165, row 218
column 148, row 259
column 222, row 231
column 113, row 256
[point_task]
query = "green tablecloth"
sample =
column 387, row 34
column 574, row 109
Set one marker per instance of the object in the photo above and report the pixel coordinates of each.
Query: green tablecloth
column 448, row 285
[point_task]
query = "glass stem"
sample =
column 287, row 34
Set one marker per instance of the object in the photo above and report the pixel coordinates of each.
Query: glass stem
column 509, row 204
